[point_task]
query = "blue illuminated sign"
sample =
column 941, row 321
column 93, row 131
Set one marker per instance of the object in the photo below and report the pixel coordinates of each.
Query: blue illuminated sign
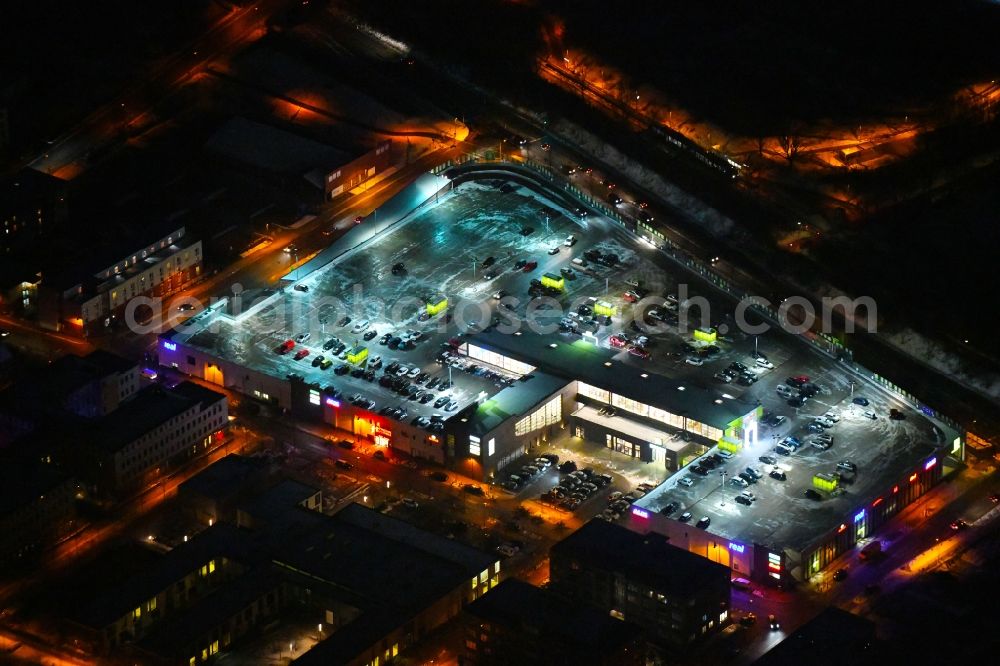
column 736, row 547
column 169, row 346
column 640, row 513
column 859, row 516
column 333, row 403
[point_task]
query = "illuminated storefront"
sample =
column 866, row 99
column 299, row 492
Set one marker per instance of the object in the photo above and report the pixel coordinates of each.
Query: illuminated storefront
column 498, row 360
column 642, row 409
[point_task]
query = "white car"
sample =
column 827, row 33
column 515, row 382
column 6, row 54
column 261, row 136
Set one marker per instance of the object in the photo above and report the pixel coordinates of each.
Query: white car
column 361, row 326
column 686, row 482
column 570, row 241
column 832, row 416
column 823, row 421
column 764, row 363
column 694, row 360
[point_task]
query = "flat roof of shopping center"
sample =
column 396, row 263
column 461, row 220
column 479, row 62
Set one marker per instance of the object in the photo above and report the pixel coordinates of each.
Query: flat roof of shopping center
column 626, row 426
column 443, row 247
column 513, row 400
column 617, row 371
column 886, row 451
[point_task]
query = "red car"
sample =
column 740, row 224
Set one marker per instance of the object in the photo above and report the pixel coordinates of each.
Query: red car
column 286, row 346
column 801, row 379
column 631, row 297
column 618, row 340
column 639, row 351
column 530, row 266
column 301, row 354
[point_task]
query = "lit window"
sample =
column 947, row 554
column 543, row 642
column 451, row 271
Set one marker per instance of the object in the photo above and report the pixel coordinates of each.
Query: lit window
column 547, row 414
column 313, row 397
column 474, row 448
column 491, row 446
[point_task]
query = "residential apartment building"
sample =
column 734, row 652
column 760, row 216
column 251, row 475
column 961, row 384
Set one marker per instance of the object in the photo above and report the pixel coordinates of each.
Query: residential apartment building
column 159, row 428
column 37, row 505
column 518, row 623
column 95, row 300
column 676, row 596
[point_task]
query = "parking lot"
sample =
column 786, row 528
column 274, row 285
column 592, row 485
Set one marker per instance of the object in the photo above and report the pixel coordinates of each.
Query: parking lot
column 478, row 240
column 882, row 450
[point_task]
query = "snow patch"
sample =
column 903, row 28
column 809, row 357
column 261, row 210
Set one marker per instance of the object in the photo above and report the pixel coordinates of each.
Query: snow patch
column 941, row 359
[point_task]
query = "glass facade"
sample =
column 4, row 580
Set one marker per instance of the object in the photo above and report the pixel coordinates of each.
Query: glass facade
column 655, row 413
column 547, row 414
column 499, row 360
column 593, row 392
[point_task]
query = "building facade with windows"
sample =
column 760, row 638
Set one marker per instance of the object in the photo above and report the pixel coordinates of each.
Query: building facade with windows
column 345, row 178
column 518, row 623
column 561, row 389
column 678, row 597
column 94, row 302
column 155, row 431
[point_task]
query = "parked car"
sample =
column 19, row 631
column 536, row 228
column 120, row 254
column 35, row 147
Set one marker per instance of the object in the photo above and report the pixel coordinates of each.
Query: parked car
column 861, row 400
